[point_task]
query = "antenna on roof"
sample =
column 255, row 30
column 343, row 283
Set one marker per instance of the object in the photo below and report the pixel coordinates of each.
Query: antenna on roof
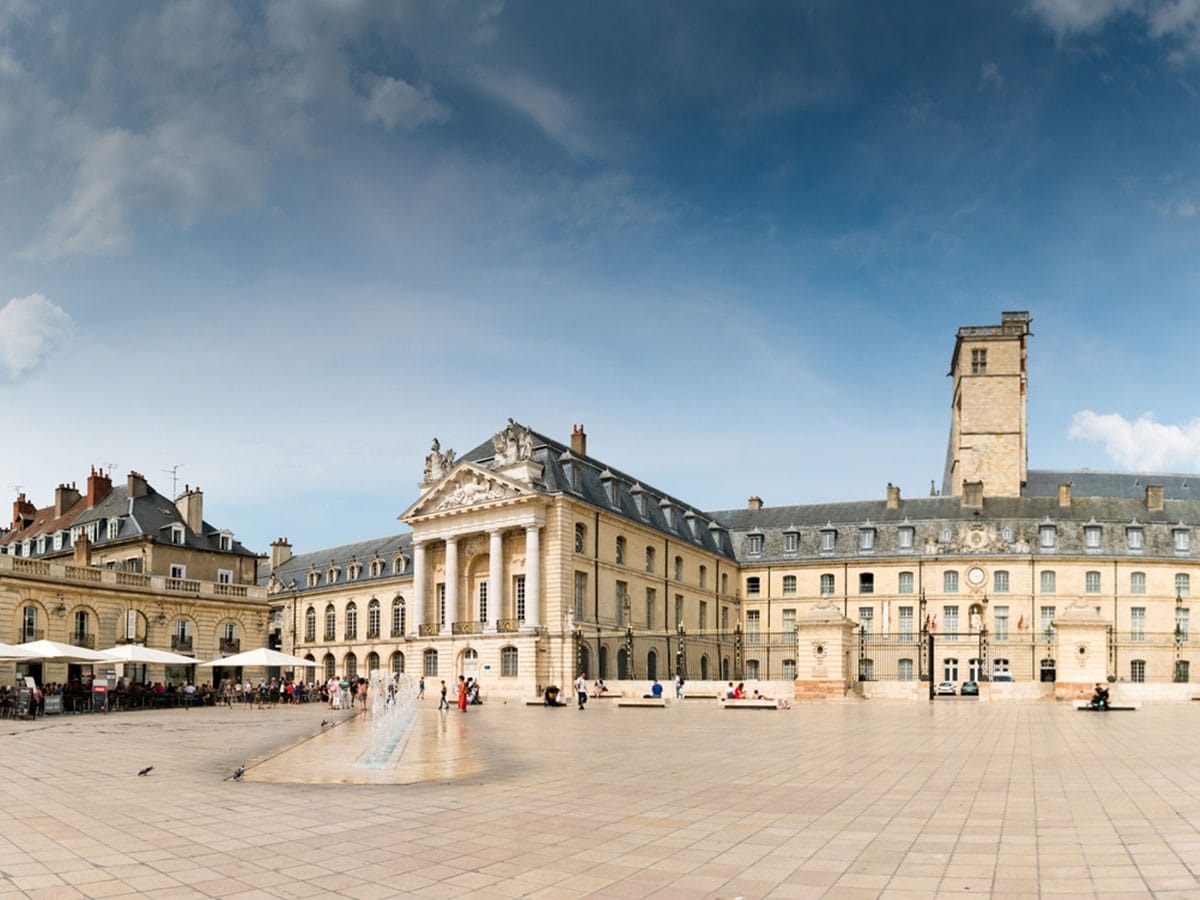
column 17, row 488
column 112, row 466
column 174, row 473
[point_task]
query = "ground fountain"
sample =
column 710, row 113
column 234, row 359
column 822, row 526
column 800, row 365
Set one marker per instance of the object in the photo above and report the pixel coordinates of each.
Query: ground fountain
column 391, row 710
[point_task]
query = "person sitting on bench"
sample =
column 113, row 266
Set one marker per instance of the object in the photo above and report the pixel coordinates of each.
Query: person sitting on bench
column 1100, row 697
column 655, row 692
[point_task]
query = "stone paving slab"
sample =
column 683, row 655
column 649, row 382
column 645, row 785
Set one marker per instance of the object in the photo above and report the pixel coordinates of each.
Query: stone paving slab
column 837, row 800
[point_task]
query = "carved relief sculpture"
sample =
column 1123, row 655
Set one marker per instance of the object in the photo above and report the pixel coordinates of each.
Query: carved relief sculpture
column 437, row 463
column 512, row 444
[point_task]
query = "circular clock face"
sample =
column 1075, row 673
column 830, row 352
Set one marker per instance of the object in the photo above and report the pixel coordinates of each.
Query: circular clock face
column 975, row 575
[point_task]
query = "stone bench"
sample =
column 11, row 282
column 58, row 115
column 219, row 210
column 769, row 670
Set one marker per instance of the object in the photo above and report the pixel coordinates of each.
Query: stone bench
column 1114, row 706
column 751, row 704
column 701, row 695
column 647, row 702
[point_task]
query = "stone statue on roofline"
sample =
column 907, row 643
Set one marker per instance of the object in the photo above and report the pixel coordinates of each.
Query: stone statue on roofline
column 437, row 463
column 512, row 443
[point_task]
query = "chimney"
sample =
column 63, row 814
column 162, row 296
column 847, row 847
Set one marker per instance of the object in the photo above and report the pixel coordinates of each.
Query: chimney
column 65, row 496
column 281, row 552
column 578, row 441
column 1154, row 497
column 191, row 507
column 83, row 550
column 98, row 487
column 136, row 484
column 972, row 494
column 754, row 503
column 24, row 513
column 1064, row 494
column 893, row 501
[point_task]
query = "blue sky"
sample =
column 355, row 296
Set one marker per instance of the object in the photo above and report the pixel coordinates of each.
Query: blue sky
column 286, row 244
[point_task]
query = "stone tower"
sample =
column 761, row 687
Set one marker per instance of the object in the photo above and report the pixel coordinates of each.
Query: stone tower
column 987, row 453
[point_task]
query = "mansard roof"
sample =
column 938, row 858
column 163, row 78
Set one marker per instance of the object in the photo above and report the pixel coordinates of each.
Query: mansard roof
column 1086, row 483
column 298, row 567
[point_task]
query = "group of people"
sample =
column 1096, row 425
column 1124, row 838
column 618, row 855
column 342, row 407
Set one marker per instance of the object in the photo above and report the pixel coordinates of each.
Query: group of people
column 345, row 693
column 466, row 693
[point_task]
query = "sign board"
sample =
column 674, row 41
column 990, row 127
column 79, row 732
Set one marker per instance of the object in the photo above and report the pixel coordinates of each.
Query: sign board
column 30, row 682
column 53, row 704
column 24, row 703
column 99, row 696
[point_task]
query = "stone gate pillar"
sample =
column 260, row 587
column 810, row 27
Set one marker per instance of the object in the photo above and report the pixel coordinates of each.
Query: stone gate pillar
column 1081, row 636
column 824, row 653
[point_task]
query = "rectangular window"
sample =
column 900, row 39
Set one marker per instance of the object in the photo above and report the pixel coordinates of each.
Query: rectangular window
column 789, row 621
column 178, row 571
column 1091, row 537
column 678, row 610
column 826, row 585
column 519, row 594
column 1047, row 614
column 905, row 670
column 431, row 661
column 789, row 585
column 978, row 362
column 753, row 585
column 950, row 617
column 950, row 583
column 866, row 540
column 1049, row 583
column 1001, row 623
column 580, row 594
column 651, row 596
column 224, row 576
column 866, row 619
column 1000, row 583
column 724, row 618
column 791, row 542
column 754, row 545
column 752, row 623
column 620, row 598
column 866, row 582
column 1137, row 623
column 1137, row 671
column 1091, row 582
column 703, row 616
column 906, row 583
column 1134, row 539
column 1183, row 540
column 508, row 662
column 1181, row 623
column 904, row 537
column 789, row 670
column 1048, row 537
column 906, row 622
column 1183, row 584
column 1137, row 582
column 828, row 541
column 441, row 602
column 752, row 669
column 650, row 559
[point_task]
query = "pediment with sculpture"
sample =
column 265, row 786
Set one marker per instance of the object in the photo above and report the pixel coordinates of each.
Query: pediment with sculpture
column 467, row 485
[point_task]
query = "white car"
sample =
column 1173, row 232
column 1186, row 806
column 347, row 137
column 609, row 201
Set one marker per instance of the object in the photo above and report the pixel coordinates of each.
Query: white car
column 947, row 688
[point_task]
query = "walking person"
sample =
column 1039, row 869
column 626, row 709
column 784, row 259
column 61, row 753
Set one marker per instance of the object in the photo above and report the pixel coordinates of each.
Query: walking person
column 581, row 690
column 443, row 703
column 421, row 688
column 462, row 694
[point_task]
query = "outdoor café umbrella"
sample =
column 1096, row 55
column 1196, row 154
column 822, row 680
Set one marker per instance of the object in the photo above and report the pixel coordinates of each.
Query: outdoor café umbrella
column 138, row 654
column 53, row 651
column 261, row 657
column 8, row 651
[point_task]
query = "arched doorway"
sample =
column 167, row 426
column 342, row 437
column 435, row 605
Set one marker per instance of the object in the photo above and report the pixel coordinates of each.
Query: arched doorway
column 704, row 667
column 583, row 659
column 622, row 664
column 470, row 663
column 603, row 673
column 652, row 666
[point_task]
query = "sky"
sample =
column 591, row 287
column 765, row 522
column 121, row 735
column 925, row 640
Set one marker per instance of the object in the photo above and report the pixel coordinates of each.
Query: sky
column 278, row 247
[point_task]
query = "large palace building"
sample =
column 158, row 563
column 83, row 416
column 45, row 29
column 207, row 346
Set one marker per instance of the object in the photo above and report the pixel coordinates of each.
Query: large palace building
column 529, row 560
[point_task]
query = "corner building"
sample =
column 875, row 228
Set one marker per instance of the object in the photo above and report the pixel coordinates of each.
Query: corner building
column 529, row 560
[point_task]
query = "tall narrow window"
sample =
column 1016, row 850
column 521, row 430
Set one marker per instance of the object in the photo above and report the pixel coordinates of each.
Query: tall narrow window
column 650, row 598
column 398, row 622
column 310, row 625
column 650, row 559
column 519, row 595
column 1047, row 614
column 580, row 538
column 906, row 583
column 441, row 602
column 906, row 623
column 950, row 582
column 827, row 586
column 866, row 619
column 1181, row 623
column 789, row 585
column 1183, row 584
column 620, row 551
column 950, row 618
column 703, row 576
column 1137, row 623
column 373, row 619
column 580, row 594
column 1137, row 582
column 621, row 598
column 704, row 616
column 1001, row 623
column 1049, row 582
column 679, row 568
column 483, row 601
column 1091, row 582
column 1000, row 582
column 752, row 624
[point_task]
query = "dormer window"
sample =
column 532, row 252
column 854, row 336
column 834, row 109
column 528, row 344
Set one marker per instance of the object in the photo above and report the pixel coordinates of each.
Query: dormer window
column 27, row 547
column 791, row 542
column 1091, row 537
column 866, row 540
column 376, row 568
column 331, row 574
column 314, row 578
column 754, row 545
column 177, row 534
column 691, row 521
column 905, row 535
column 1048, row 537
column 398, row 565
column 58, row 540
column 668, row 511
column 225, row 541
column 41, row 544
column 93, row 531
column 1134, row 538
column 1183, row 538
column 828, row 540
column 353, row 571
column 610, row 486
column 639, row 499
column 114, row 527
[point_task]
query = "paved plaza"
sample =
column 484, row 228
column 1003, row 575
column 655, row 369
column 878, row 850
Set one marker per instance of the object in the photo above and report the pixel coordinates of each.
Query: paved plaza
column 835, row 800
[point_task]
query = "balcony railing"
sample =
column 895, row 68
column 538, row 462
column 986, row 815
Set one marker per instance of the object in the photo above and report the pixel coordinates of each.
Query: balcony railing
column 331, row 635
column 95, row 575
column 466, row 627
column 230, row 646
column 506, row 626
column 181, row 643
column 428, row 631
column 350, row 635
column 30, row 634
column 83, row 639
column 372, row 634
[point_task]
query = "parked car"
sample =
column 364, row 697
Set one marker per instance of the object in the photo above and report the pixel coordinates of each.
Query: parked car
column 947, row 688
column 969, row 689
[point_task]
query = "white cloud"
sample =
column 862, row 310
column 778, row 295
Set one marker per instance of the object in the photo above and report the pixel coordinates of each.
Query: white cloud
column 1076, row 16
column 549, row 109
column 393, row 102
column 1143, row 444
column 30, row 328
column 1183, row 208
column 990, row 77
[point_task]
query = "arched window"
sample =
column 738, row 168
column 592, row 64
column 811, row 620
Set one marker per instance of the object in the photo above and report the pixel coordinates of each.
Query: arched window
column 397, row 663
column 580, row 537
column 652, row 666
column 752, row 669
column 351, row 621
column 725, row 676
column 724, row 583
column 623, row 665
column 602, row 672
column 650, row 559
column 372, row 662
column 329, row 668
column 350, row 665
column 310, row 625
column 398, row 622
column 330, row 623
column 508, row 662
column 679, row 568
column 704, row 667
column 430, row 663
column 703, row 576
column 620, row 551
column 373, row 619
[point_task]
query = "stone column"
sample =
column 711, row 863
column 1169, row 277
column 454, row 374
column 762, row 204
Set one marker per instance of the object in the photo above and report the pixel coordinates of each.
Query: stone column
column 451, row 583
column 1081, row 644
column 496, row 590
column 824, row 643
column 533, row 577
column 417, row 617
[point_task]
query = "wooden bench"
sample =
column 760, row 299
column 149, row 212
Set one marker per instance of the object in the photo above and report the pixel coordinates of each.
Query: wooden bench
column 646, row 702
column 751, row 704
column 1130, row 705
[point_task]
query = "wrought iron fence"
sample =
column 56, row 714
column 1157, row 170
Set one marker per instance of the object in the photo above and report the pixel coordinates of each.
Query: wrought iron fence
column 632, row 653
column 960, row 656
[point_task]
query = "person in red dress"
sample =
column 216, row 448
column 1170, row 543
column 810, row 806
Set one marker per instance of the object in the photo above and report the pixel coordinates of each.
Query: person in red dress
column 462, row 693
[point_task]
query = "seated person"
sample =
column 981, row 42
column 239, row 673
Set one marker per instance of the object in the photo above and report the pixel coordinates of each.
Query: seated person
column 655, row 691
column 739, row 692
column 550, row 698
column 599, row 688
column 729, row 692
column 1100, row 697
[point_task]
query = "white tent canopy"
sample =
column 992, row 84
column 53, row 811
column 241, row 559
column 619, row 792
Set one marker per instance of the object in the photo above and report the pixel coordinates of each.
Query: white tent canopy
column 260, row 658
column 10, row 652
column 137, row 653
column 53, row 651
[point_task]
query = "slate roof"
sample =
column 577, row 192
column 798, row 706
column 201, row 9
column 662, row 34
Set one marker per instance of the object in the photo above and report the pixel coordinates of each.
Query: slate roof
column 298, row 567
column 1086, row 483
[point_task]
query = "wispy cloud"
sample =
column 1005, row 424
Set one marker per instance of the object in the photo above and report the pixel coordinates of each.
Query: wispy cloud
column 1077, row 16
column 990, row 77
column 394, row 103
column 1173, row 20
column 548, row 108
column 30, row 328
column 1142, row 444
